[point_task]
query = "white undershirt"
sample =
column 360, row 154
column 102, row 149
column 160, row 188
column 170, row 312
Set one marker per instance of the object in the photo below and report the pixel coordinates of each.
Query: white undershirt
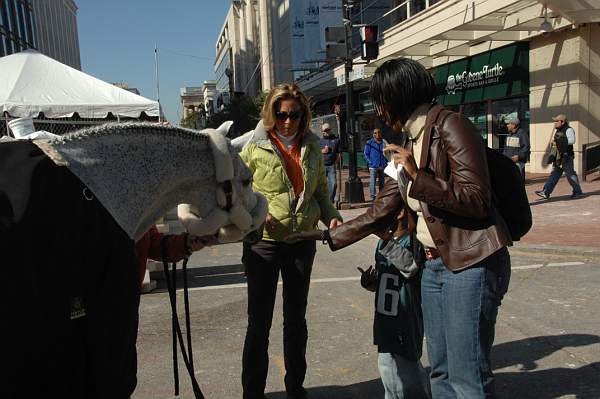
column 287, row 141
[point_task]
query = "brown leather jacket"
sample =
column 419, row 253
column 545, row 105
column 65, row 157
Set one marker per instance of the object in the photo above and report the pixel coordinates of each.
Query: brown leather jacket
column 385, row 217
column 455, row 194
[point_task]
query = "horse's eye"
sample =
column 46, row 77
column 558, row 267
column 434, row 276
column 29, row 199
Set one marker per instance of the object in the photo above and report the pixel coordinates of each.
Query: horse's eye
column 247, row 181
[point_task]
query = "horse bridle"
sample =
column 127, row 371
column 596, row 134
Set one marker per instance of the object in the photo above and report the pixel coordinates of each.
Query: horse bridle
column 227, row 186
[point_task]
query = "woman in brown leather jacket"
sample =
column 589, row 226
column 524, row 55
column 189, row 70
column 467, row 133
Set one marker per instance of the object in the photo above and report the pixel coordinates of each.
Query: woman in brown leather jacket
column 468, row 266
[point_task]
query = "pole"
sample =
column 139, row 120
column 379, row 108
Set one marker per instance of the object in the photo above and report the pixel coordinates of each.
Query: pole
column 354, row 187
column 338, row 164
column 157, row 83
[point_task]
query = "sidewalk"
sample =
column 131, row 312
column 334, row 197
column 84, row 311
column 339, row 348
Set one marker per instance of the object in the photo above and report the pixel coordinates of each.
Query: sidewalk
column 560, row 221
column 560, row 225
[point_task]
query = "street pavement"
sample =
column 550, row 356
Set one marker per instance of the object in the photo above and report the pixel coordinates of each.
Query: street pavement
column 547, row 343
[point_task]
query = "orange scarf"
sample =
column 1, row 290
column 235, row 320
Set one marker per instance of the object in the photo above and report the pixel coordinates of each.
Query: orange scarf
column 291, row 161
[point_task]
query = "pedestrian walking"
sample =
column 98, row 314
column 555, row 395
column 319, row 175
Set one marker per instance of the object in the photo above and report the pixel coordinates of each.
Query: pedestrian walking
column 467, row 267
column 561, row 158
column 517, row 143
column 376, row 161
column 287, row 166
column 330, row 148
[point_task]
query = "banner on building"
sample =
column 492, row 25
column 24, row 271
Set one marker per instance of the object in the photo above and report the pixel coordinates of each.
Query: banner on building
column 297, row 32
column 308, row 20
column 330, row 14
column 312, row 40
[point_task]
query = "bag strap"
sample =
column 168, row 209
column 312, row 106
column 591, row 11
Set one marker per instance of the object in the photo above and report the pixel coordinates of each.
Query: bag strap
column 434, row 119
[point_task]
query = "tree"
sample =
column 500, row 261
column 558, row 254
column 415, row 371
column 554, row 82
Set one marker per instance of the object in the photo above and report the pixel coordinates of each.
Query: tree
column 195, row 119
column 244, row 111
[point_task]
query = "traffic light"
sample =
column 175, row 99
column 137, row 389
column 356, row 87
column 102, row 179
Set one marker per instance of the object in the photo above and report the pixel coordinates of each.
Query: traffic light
column 336, row 38
column 369, row 45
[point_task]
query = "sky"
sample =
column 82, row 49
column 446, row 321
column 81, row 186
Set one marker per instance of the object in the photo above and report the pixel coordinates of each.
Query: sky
column 117, row 39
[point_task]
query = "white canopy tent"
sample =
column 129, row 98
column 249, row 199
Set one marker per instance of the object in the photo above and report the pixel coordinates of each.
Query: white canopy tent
column 31, row 82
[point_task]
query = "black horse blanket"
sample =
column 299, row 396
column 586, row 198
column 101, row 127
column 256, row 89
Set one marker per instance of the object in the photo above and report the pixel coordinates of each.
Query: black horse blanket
column 70, row 295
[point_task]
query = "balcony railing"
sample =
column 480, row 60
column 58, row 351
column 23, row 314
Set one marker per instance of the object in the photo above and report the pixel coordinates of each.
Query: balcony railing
column 404, row 11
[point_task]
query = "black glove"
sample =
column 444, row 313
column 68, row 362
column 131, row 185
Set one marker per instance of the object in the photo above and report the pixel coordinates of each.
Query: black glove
column 368, row 278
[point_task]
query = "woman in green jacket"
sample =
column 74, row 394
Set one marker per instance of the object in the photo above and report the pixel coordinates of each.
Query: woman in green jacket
column 287, row 166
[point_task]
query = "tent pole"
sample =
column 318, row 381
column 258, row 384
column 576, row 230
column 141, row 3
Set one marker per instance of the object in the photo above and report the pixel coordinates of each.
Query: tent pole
column 157, row 84
column 8, row 132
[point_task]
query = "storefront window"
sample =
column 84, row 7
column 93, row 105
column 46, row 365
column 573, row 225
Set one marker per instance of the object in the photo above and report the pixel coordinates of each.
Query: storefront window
column 502, row 109
column 477, row 113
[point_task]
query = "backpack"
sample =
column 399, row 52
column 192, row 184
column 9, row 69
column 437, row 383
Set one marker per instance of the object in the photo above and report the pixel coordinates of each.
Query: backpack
column 508, row 191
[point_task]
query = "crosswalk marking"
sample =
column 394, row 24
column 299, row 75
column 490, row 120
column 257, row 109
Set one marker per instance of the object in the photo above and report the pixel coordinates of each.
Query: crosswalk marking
column 357, row 278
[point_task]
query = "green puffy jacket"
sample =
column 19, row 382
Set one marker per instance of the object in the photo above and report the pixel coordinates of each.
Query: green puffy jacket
column 270, row 179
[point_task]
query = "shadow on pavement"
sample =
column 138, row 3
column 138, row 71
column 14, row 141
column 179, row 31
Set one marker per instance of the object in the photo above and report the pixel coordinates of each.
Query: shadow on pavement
column 540, row 201
column 360, row 390
column 583, row 382
column 207, row 276
column 579, row 383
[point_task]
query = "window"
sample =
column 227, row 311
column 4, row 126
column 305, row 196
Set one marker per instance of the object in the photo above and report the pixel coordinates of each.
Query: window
column 477, row 113
column 503, row 109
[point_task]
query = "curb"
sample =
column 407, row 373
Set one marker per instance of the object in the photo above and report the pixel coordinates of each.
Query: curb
column 583, row 252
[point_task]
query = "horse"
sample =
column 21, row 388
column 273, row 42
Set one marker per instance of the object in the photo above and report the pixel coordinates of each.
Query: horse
column 71, row 209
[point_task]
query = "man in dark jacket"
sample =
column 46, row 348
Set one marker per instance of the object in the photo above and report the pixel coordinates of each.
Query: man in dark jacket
column 330, row 148
column 517, row 143
column 562, row 158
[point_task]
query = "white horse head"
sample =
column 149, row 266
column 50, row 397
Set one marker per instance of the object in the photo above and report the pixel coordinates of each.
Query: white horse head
column 239, row 210
column 138, row 171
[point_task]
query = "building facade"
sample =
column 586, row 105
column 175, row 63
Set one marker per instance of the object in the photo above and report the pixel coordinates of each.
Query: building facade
column 493, row 60
column 57, row 33
column 125, row 86
column 17, row 26
column 210, row 96
column 254, row 47
column 237, row 52
column 49, row 26
column 192, row 100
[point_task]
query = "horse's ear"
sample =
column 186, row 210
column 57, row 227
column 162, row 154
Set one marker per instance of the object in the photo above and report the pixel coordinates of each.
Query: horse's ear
column 239, row 142
column 224, row 128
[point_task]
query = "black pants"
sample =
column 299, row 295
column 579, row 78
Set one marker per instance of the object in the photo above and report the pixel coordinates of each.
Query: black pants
column 263, row 261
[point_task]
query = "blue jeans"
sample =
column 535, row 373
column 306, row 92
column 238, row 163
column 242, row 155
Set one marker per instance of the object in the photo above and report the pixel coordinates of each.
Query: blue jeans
column 402, row 378
column 459, row 314
column 375, row 173
column 557, row 171
column 331, row 174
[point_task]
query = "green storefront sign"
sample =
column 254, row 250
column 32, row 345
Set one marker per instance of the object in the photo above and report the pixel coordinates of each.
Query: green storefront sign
column 503, row 72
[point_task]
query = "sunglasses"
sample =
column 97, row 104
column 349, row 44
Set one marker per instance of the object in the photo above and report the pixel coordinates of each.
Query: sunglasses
column 282, row 116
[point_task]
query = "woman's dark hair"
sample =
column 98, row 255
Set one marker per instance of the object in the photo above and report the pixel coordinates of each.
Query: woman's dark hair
column 399, row 86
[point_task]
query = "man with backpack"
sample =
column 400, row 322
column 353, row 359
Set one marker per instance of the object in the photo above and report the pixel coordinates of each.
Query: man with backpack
column 561, row 157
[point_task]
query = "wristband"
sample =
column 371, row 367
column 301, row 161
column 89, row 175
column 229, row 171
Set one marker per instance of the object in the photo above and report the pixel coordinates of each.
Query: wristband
column 325, row 236
column 188, row 250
